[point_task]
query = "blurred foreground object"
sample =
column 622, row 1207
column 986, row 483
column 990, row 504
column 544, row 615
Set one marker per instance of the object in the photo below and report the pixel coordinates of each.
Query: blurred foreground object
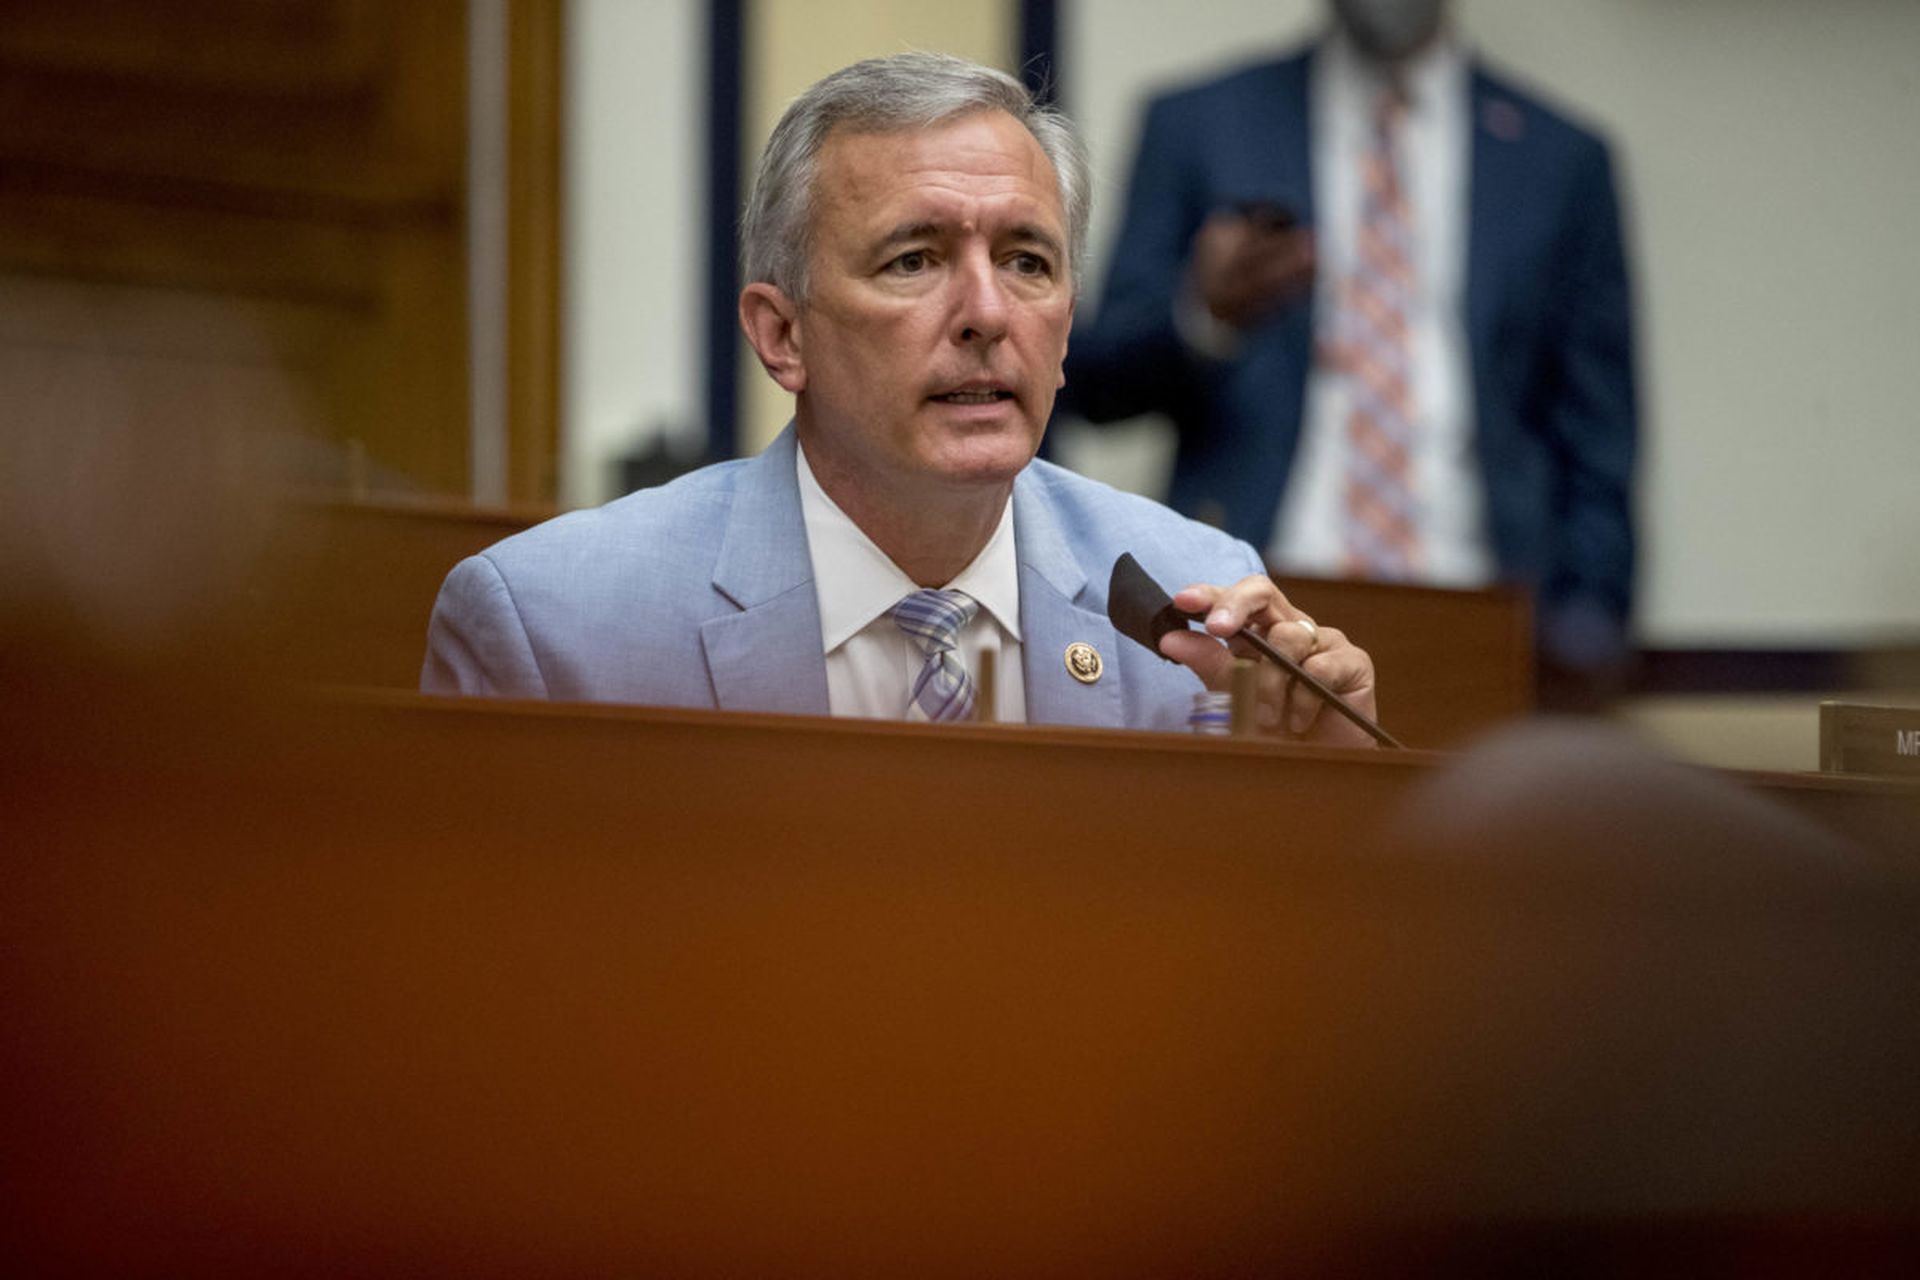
column 131, row 511
column 393, row 985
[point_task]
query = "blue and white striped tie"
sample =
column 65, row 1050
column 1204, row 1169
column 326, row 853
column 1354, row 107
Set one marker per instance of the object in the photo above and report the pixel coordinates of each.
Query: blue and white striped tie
column 932, row 620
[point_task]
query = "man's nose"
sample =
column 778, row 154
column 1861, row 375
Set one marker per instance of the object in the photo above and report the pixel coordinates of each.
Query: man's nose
column 980, row 305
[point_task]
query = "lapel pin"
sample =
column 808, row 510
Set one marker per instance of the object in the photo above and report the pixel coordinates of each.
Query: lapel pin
column 1503, row 120
column 1083, row 662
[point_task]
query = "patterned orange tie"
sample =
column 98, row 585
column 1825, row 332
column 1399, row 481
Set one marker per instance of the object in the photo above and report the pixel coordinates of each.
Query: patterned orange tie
column 1373, row 350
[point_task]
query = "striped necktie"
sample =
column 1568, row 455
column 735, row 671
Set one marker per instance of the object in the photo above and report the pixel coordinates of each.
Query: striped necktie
column 932, row 620
column 1381, row 516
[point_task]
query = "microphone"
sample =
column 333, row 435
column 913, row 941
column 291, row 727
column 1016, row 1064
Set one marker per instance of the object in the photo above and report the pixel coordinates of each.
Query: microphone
column 1142, row 612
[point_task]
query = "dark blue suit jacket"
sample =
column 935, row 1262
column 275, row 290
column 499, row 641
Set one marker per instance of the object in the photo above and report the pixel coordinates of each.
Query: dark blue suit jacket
column 1547, row 321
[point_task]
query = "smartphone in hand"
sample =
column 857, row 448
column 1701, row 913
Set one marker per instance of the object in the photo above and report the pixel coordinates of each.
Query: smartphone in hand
column 1267, row 215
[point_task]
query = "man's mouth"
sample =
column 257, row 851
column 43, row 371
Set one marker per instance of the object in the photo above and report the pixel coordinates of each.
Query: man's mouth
column 974, row 395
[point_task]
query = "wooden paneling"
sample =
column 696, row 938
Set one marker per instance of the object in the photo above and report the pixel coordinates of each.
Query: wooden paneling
column 1450, row 662
column 343, row 589
column 284, row 46
column 260, row 159
column 535, row 125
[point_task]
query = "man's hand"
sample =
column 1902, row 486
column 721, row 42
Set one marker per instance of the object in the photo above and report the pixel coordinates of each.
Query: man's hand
column 1243, row 268
column 1256, row 603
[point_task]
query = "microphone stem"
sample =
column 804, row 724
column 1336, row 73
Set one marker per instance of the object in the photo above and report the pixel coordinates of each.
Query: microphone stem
column 1321, row 691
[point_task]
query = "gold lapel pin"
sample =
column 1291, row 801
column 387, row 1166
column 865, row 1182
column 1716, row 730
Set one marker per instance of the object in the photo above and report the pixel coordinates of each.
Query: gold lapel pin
column 1083, row 662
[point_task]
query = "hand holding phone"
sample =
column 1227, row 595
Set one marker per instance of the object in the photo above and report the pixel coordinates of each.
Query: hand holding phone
column 1267, row 215
column 1250, row 258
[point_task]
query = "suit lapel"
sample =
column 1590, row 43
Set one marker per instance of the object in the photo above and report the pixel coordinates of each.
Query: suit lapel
column 1292, row 123
column 766, row 656
column 1497, row 187
column 1054, row 595
column 1293, row 143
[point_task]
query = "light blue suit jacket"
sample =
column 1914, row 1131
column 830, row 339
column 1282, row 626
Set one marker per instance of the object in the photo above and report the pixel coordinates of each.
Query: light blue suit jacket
column 700, row 594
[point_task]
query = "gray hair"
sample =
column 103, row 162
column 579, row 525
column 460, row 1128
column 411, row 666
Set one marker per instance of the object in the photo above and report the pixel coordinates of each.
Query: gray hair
column 884, row 95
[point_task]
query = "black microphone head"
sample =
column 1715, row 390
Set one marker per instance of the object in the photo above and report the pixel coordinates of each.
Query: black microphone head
column 1138, row 608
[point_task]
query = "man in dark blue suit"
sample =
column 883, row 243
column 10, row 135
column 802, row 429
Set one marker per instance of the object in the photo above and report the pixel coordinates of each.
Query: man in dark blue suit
column 1375, row 256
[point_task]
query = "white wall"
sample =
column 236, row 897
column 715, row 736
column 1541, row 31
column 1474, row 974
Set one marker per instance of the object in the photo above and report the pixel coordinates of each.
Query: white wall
column 633, row 326
column 1770, row 152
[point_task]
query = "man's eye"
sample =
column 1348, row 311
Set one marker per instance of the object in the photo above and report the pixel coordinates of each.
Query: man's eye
column 910, row 263
column 1031, row 264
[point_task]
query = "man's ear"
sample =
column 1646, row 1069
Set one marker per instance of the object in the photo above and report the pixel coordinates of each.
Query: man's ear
column 772, row 325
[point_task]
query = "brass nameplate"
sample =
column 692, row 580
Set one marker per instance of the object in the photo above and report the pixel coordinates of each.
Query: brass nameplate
column 1862, row 739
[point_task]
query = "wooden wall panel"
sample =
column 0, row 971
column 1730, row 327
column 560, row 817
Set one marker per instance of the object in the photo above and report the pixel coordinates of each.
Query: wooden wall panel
column 535, row 125
column 1451, row 663
column 275, row 164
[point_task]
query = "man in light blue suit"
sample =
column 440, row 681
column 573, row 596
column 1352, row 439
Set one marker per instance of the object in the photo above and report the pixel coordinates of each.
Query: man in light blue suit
column 1223, row 309
column 911, row 246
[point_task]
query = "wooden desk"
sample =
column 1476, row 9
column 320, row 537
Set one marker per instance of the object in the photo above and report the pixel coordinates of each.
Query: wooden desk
column 344, row 588
column 395, row 985
column 1452, row 663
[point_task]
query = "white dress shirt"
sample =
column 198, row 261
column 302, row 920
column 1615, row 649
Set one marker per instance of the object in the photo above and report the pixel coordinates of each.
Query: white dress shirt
column 1434, row 155
column 871, row 663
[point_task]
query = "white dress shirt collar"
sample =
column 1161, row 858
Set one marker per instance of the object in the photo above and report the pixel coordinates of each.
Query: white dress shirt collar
column 856, row 582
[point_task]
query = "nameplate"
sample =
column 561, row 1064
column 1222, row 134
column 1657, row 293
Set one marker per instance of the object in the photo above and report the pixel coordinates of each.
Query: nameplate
column 1863, row 739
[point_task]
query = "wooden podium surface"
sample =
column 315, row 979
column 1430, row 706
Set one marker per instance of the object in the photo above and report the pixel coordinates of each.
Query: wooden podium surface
column 381, row 985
